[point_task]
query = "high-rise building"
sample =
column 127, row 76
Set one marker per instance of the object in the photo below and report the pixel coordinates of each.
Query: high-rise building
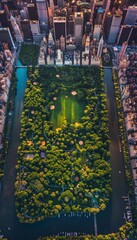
column 106, row 8
column 10, row 3
column 87, row 45
column 62, row 43
column 16, row 29
column 114, row 29
column 122, row 51
column 7, row 10
column 52, row 6
column 133, row 37
column 87, row 15
column 5, row 36
column 99, row 16
column 74, row 8
column 100, row 47
column 124, row 11
column 34, row 25
column 124, row 34
column 78, row 26
column 32, row 11
column 50, row 39
column 107, row 24
column 88, row 27
column 128, row 34
column 37, row 38
column 122, row 3
column 131, row 16
column 92, row 7
column 59, row 24
column 19, row 5
column 24, row 14
column 97, row 32
column 105, row 4
column 25, row 25
column 3, row 19
column 70, row 25
column 42, row 7
column 69, row 10
column 50, row 18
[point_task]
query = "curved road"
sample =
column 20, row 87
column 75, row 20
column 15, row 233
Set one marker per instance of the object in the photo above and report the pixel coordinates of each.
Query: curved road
column 112, row 217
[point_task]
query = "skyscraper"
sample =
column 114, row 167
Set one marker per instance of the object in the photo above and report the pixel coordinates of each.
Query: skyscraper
column 114, row 29
column 62, row 43
column 78, row 26
column 70, row 25
column 50, row 39
column 97, row 32
column 50, row 14
column 10, row 3
column 87, row 16
column 16, row 29
column 131, row 16
column 105, row 4
column 133, row 37
column 128, row 34
column 34, row 25
column 59, row 24
column 99, row 16
column 32, row 11
column 122, row 51
column 107, row 24
column 88, row 27
column 52, row 6
column 42, row 7
column 5, row 36
column 3, row 19
column 124, row 34
column 100, row 47
column 24, row 14
column 25, row 25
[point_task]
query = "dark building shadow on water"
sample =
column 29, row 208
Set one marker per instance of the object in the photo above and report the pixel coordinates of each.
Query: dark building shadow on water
column 53, row 226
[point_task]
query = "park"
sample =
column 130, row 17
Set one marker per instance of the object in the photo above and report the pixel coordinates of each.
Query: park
column 63, row 162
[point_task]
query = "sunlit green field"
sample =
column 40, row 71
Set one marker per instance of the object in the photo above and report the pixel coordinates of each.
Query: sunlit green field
column 67, row 108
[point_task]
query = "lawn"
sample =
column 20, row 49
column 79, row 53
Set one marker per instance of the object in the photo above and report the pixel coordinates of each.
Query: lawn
column 67, row 108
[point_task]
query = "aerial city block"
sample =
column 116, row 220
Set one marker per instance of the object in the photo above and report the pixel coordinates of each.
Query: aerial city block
column 68, row 119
